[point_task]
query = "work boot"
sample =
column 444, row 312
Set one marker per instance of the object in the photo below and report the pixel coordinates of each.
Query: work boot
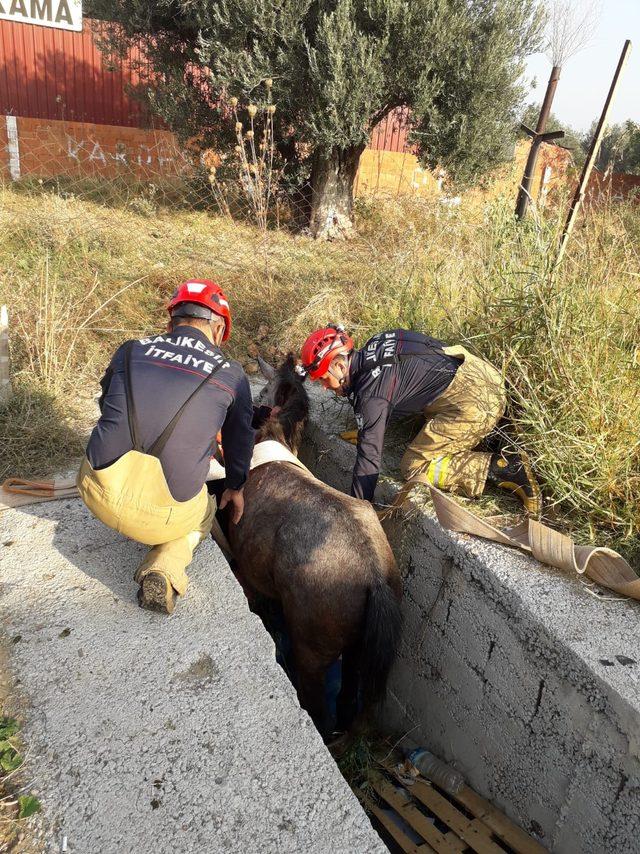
column 511, row 470
column 156, row 593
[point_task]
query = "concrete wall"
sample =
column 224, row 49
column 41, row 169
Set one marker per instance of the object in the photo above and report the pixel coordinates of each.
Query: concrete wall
column 48, row 149
column 398, row 173
column 512, row 672
column 612, row 187
column 45, row 148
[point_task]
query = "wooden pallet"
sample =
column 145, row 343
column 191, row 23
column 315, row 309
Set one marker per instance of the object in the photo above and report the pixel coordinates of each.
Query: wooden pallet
column 464, row 822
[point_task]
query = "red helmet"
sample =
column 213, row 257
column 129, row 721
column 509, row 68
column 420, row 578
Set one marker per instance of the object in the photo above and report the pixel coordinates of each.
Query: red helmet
column 321, row 348
column 205, row 293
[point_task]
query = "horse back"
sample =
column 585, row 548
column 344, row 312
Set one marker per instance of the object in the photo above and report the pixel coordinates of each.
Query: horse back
column 300, row 536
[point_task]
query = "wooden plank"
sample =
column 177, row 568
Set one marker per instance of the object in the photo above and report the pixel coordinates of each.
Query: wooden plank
column 458, row 822
column 407, row 844
column 502, row 826
column 481, row 826
column 397, row 833
column 412, row 815
column 455, row 841
column 491, row 820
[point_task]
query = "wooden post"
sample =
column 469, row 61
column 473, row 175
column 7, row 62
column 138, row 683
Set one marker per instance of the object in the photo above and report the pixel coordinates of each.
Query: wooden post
column 593, row 154
column 5, row 375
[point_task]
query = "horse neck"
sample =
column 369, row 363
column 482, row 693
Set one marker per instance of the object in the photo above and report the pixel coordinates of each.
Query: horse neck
column 287, row 425
column 281, row 430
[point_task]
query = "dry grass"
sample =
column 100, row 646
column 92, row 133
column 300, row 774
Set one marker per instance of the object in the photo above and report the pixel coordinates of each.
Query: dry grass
column 80, row 275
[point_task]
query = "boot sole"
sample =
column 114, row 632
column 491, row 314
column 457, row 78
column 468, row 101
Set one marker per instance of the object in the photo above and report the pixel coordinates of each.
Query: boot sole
column 156, row 594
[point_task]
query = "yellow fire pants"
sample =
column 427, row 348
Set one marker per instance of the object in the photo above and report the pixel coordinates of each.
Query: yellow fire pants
column 442, row 453
column 132, row 497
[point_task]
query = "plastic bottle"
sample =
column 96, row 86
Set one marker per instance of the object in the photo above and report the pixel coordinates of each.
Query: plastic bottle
column 437, row 771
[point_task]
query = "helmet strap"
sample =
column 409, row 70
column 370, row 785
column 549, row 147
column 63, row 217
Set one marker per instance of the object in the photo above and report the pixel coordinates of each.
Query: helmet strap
column 192, row 309
column 341, row 380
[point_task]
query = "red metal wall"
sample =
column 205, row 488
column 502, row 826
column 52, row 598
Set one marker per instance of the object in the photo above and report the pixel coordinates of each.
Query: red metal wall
column 392, row 132
column 57, row 74
column 615, row 186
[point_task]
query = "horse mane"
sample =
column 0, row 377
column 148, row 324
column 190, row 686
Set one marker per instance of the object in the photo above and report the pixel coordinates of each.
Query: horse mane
column 292, row 401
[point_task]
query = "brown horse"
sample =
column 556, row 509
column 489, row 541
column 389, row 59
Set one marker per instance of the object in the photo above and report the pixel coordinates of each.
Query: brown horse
column 324, row 556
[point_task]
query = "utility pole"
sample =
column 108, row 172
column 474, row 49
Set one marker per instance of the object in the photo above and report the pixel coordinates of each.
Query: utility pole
column 538, row 136
column 593, row 154
column 570, row 25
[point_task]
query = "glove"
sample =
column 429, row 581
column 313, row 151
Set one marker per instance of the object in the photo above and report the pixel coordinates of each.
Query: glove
column 350, row 436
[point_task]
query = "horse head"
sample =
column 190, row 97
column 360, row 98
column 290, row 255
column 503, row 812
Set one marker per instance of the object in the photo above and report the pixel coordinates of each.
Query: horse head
column 283, row 404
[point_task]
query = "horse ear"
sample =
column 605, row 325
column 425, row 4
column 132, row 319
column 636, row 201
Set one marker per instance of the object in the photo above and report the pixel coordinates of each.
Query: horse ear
column 268, row 372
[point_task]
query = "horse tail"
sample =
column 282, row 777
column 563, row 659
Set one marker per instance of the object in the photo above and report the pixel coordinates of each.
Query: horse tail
column 381, row 636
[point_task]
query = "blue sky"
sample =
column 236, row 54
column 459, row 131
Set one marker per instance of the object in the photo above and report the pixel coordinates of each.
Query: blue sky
column 586, row 77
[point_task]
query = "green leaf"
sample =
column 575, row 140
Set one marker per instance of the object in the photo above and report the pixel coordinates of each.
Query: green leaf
column 28, row 806
column 10, row 760
column 5, row 745
column 8, row 727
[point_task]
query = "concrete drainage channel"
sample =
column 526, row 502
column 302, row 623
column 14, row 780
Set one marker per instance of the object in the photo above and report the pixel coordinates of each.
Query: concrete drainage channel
column 510, row 671
column 148, row 734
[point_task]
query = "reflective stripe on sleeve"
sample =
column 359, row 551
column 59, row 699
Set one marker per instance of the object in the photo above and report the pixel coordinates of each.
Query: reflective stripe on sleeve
column 437, row 471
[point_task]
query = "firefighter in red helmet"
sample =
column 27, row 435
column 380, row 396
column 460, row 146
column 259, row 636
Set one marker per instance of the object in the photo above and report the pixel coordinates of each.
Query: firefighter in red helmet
column 461, row 396
column 164, row 400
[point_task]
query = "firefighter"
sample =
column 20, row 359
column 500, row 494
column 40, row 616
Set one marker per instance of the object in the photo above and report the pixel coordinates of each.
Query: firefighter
column 164, row 399
column 401, row 373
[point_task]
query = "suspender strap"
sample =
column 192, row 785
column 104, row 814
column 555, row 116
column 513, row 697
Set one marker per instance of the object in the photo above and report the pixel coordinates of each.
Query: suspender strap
column 131, row 409
column 158, row 446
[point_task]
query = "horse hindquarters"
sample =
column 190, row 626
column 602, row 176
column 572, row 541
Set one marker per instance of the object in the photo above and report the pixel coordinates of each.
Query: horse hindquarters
column 365, row 663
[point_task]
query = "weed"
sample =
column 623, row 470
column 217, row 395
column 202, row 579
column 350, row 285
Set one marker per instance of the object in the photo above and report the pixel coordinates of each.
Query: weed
column 246, row 180
column 28, row 805
column 13, row 806
column 38, row 432
column 80, row 277
column 360, row 758
column 10, row 758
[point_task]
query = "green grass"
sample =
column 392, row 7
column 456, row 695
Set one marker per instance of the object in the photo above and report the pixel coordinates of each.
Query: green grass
column 14, row 807
column 81, row 272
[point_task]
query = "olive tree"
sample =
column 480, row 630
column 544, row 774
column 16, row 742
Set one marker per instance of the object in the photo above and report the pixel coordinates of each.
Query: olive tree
column 338, row 68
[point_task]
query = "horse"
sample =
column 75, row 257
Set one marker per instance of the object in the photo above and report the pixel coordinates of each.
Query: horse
column 324, row 557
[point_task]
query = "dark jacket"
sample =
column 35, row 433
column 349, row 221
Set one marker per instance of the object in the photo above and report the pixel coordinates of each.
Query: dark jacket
column 165, row 370
column 396, row 373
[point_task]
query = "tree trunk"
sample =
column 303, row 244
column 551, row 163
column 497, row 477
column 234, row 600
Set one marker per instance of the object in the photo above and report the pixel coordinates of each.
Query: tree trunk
column 332, row 180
